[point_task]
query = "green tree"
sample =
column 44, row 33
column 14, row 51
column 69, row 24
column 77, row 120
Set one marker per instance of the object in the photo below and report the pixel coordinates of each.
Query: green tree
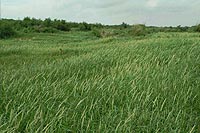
column 26, row 22
column 47, row 22
column 197, row 29
column 124, row 25
column 85, row 26
column 6, row 31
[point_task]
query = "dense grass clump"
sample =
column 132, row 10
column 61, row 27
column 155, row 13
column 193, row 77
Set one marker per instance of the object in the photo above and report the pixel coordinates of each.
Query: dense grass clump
column 74, row 82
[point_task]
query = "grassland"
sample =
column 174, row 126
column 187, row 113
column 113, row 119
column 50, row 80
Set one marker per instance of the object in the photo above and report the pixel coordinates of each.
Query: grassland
column 75, row 82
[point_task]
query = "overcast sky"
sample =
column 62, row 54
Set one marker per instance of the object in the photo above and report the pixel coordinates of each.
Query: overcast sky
column 149, row 12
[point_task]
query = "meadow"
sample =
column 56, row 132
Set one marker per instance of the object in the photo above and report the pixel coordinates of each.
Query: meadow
column 77, row 82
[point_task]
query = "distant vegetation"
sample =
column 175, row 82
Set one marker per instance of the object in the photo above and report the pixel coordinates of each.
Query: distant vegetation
column 197, row 28
column 6, row 31
column 138, row 30
column 9, row 27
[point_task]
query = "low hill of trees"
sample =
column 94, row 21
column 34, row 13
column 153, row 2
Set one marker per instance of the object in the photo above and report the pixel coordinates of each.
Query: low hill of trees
column 9, row 27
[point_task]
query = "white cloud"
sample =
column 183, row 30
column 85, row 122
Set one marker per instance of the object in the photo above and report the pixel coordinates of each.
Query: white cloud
column 150, row 12
column 152, row 3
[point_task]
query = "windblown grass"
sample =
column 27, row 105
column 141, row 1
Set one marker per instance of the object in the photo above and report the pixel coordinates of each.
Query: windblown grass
column 76, row 83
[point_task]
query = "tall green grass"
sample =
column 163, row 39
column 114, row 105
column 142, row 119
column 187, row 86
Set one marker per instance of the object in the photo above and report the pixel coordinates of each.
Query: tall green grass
column 78, row 83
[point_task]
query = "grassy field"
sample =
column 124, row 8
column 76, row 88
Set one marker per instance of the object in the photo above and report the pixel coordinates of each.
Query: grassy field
column 75, row 82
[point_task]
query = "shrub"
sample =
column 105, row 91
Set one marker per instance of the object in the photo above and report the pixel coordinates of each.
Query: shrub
column 124, row 25
column 85, row 27
column 62, row 27
column 41, row 29
column 197, row 29
column 26, row 22
column 138, row 30
column 47, row 22
column 49, row 30
column 97, row 32
column 27, row 30
column 6, row 31
column 101, row 33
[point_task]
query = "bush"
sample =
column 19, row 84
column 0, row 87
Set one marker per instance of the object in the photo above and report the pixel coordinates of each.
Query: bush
column 6, row 31
column 26, row 22
column 138, row 30
column 85, row 27
column 97, row 33
column 49, row 30
column 62, row 27
column 47, row 22
column 41, row 29
column 101, row 33
column 124, row 25
column 197, row 29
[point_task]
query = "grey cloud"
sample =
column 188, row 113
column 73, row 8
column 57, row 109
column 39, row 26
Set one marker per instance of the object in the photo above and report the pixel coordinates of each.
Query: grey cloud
column 165, row 12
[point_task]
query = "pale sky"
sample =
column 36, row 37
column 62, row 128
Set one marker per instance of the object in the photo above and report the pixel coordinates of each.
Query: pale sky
column 149, row 12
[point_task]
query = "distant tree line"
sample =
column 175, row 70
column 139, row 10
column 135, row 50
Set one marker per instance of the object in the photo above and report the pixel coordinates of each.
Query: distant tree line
column 9, row 27
column 37, row 25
